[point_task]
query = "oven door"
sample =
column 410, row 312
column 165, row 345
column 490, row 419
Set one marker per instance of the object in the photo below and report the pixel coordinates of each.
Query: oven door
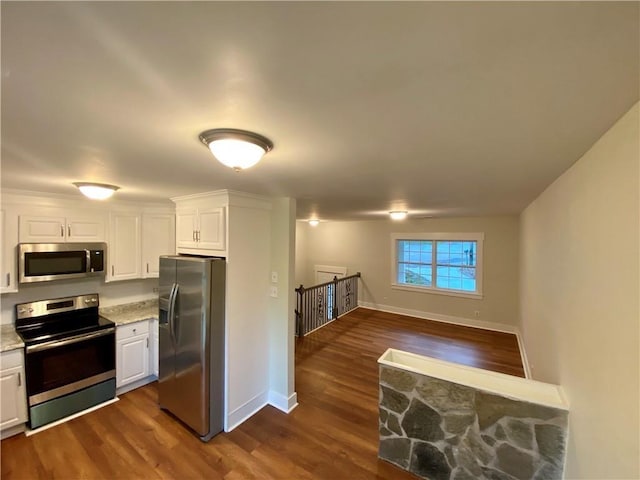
column 63, row 366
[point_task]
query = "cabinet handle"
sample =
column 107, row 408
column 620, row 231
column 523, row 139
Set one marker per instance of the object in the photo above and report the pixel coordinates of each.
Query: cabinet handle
column 147, row 267
column 147, row 342
column 193, row 235
column 112, row 271
column 61, row 230
column 19, row 379
column 69, row 230
column 198, row 235
column 8, row 279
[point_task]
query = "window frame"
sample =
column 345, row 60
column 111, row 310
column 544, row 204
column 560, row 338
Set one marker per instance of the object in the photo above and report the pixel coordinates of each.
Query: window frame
column 477, row 237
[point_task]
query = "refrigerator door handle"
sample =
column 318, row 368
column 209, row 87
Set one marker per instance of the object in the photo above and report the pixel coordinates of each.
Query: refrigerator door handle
column 174, row 323
column 172, row 308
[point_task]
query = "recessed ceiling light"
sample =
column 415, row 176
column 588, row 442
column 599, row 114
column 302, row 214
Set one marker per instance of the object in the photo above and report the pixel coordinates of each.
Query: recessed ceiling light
column 238, row 149
column 313, row 222
column 398, row 215
column 96, row 191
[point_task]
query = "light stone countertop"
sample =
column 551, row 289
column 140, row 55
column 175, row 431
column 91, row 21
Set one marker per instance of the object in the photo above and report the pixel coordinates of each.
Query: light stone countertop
column 9, row 339
column 131, row 312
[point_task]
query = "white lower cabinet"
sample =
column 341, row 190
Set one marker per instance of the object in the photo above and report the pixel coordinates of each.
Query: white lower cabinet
column 132, row 353
column 12, row 390
column 155, row 348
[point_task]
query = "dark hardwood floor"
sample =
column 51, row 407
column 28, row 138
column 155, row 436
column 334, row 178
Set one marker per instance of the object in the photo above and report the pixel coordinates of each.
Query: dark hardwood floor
column 332, row 434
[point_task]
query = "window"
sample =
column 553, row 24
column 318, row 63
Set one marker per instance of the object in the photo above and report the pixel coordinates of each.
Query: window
column 449, row 263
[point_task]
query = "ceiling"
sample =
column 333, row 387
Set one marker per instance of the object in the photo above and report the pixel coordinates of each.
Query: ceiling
column 444, row 109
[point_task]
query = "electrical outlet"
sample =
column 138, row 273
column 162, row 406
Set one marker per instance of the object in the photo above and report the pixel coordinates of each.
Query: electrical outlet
column 477, row 313
column 274, row 277
column 274, row 291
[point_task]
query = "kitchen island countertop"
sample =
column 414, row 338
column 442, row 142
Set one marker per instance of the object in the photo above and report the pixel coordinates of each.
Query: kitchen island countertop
column 131, row 312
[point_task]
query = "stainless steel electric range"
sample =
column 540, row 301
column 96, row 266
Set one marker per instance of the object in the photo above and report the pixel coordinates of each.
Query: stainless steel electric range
column 70, row 362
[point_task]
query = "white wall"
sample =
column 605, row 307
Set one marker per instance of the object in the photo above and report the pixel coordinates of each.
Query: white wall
column 365, row 246
column 281, row 309
column 114, row 293
column 579, row 287
column 247, row 307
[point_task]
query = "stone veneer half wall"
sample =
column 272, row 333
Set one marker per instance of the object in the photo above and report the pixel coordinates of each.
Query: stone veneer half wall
column 442, row 429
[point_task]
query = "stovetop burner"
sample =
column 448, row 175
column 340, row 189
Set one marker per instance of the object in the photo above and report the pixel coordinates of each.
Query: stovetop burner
column 48, row 320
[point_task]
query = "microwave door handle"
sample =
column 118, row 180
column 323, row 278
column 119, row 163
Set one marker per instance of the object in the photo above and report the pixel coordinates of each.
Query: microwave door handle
column 88, row 254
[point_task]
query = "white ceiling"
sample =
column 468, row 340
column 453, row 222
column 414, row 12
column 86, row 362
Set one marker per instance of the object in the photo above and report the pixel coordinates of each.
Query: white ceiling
column 441, row 108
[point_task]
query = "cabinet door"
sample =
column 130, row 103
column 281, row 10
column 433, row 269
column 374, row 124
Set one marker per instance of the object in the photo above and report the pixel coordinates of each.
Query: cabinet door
column 34, row 229
column 8, row 249
column 124, row 247
column 158, row 238
column 132, row 359
column 211, row 231
column 186, row 228
column 13, row 406
column 83, row 228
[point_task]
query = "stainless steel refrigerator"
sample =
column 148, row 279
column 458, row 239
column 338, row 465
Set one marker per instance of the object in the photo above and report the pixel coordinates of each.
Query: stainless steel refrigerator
column 191, row 331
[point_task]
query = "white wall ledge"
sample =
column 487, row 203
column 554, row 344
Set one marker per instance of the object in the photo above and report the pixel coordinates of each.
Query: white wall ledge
column 509, row 386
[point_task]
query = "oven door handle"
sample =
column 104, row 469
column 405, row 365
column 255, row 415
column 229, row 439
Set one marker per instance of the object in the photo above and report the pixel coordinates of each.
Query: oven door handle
column 88, row 256
column 68, row 341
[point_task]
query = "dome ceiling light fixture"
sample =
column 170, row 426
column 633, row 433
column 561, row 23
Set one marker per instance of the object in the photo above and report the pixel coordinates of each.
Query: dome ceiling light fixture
column 398, row 215
column 96, row 191
column 237, row 149
column 314, row 222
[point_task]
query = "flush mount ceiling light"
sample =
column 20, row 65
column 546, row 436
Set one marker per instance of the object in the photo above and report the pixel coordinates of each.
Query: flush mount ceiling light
column 96, row 191
column 313, row 222
column 398, row 215
column 237, row 149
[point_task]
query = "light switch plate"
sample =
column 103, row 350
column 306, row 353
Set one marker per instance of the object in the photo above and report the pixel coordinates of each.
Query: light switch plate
column 274, row 291
column 274, row 277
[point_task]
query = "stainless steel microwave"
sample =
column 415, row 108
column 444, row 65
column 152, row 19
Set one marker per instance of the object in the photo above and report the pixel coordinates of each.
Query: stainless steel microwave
column 43, row 262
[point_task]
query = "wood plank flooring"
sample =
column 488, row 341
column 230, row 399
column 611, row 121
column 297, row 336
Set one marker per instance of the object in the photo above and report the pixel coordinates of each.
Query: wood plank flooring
column 332, row 434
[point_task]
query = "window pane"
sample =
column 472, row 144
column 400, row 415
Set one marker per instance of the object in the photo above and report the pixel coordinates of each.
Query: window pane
column 469, row 250
column 455, row 247
column 442, row 247
column 468, row 272
column 468, row 285
column 442, row 282
column 442, row 257
column 455, row 283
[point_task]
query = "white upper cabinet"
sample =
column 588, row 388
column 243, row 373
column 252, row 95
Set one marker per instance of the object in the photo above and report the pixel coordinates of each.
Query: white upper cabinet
column 158, row 238
column 200, row 229
column 69, row 228
column 8, row 241
column 125, row 247
column 211, row 231
column 186, row 227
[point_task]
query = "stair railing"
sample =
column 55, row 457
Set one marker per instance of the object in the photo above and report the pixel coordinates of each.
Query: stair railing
column 321, row 304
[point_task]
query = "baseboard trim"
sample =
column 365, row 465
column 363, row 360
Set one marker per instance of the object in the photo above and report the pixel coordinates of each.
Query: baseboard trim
column 11, row 431
column 465, row 322
column 523, row 356
column 137, row 384
column 282, row 403
column 245, row 411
